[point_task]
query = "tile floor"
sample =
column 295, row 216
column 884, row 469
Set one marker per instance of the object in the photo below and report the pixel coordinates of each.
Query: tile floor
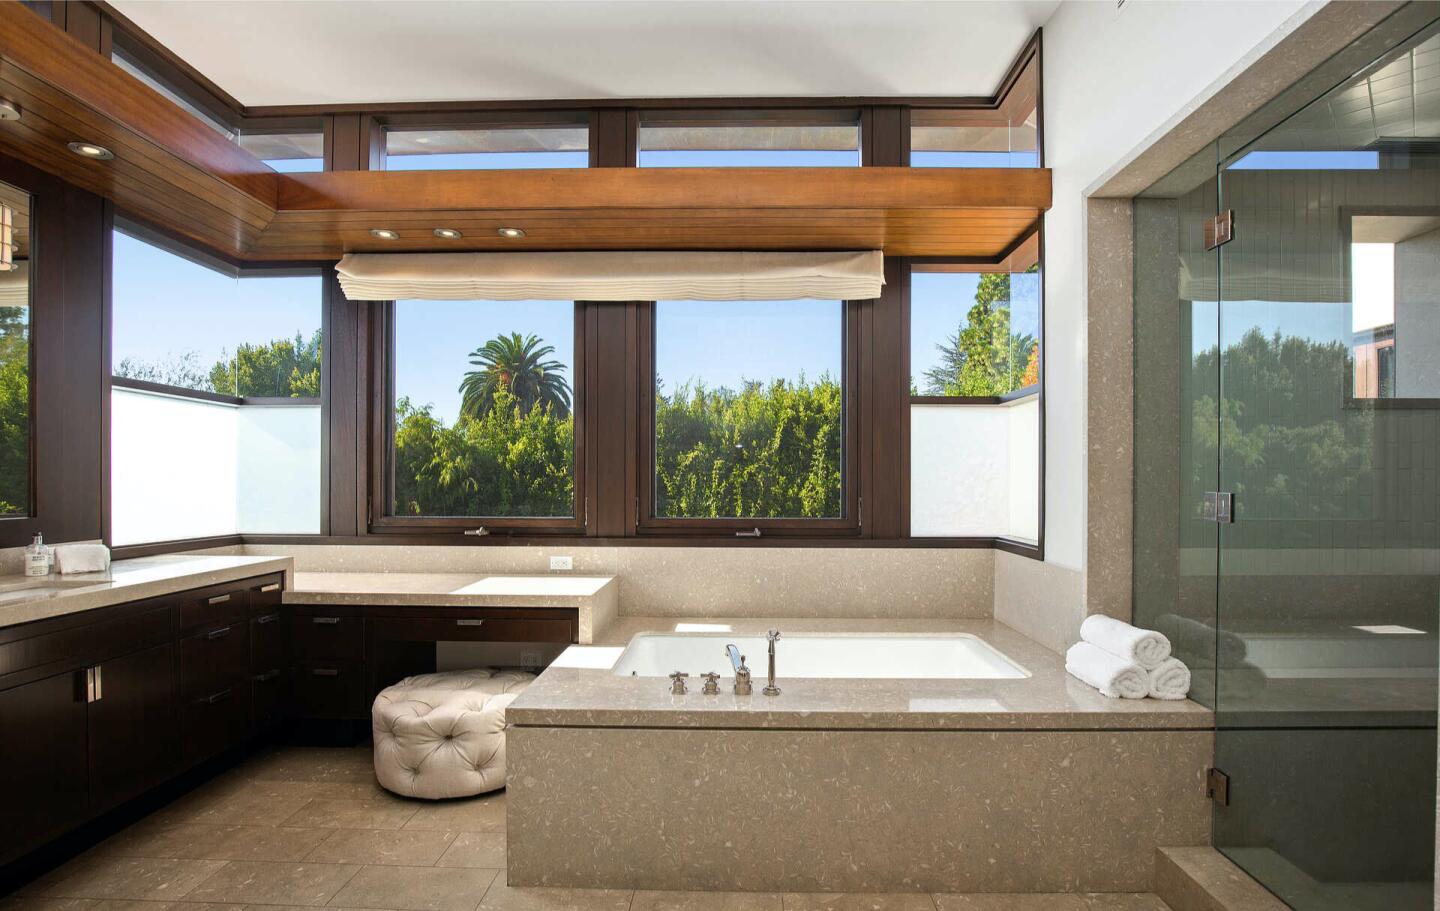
column 308, row 827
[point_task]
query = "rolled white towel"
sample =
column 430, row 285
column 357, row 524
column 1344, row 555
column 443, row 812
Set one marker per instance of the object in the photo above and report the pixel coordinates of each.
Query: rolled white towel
column 1112, row 675
column 1146, row 648
column 1171, row 680
column 82, row 558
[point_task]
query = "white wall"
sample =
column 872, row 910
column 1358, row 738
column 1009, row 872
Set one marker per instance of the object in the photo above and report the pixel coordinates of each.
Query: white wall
column 277, row 469
column 973, row 470
column 1112, row 78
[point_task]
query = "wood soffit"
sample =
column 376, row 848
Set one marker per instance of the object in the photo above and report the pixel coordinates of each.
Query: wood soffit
column 172, row 170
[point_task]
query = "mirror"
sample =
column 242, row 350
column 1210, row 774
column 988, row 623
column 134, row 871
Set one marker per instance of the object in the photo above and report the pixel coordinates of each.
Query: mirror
column 1394, row 271
column 15, row 357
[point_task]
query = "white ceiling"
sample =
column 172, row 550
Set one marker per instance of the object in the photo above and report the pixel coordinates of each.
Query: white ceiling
column 326, row 52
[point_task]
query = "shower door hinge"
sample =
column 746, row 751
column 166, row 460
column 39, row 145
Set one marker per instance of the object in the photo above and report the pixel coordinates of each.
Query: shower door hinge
column 1218, row 506
column 1220, row 229
column 1217, row 786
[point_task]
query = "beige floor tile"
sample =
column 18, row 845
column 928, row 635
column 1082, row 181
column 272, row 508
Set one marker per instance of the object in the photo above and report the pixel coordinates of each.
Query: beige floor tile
column 248, row 882
column 316, row 764
column 41, row 903
column 343, row 813
column 465, row 814
column 144, row 878
column 858, row 901
column 123, row 905
column 192, row 840
column 1011, row 901
column 239, row 810
column 415, row 889
column 403, row 847
column 1124, row 901
column 502, row 897
column 706, row 901
column 475, row 849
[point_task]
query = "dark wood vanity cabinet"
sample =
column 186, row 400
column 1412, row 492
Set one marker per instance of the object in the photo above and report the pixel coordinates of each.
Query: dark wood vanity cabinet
column 99, row 707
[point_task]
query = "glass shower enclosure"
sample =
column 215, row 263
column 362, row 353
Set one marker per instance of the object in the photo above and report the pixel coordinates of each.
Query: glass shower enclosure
column 1287, row 467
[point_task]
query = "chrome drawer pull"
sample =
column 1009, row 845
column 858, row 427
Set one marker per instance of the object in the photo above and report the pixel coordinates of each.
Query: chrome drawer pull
column 469, row 622
column 268, row 675
column 272, row 587
column 326, row 620
column 218, row 633
column 325, row 671
column 268, row 618
column 219, row 697
column 218, row 599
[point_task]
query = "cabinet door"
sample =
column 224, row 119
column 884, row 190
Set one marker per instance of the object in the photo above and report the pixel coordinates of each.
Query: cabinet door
column 134, row 726
column 42, row 761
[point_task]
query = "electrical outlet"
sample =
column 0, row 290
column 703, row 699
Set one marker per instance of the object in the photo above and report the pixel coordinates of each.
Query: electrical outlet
column 565, row 563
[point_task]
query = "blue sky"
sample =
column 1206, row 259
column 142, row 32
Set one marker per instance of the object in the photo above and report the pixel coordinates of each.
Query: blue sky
column 940, row 303
column 166, row 306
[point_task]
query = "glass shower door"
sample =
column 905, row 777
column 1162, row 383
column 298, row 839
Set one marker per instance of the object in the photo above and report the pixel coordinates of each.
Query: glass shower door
column 1328, row 426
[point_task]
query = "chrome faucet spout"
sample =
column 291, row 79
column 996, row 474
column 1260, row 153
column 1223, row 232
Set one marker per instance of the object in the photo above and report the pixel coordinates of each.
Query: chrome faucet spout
column 742, row 673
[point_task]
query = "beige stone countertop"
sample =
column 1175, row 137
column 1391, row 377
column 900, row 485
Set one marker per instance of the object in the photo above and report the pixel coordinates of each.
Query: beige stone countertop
column 579, row 689
column 595, row 598
column 24, row 598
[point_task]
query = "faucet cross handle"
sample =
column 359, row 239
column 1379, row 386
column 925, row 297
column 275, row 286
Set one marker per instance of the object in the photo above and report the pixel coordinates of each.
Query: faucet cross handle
column 677, row 685
column 712, row 683
column 772, row 636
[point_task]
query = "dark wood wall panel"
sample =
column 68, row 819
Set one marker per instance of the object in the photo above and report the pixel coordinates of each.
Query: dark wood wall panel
column 345, row 389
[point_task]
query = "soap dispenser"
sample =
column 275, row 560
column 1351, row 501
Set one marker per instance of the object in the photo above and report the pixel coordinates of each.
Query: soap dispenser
column 37, row 557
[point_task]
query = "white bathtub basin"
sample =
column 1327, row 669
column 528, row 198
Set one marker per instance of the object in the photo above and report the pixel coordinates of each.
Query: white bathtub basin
column 858, row 656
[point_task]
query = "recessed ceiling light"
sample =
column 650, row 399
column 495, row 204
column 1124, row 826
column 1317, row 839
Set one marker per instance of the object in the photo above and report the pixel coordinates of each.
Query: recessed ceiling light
column 510, row 232
column 9, row 110
column 90, row 150
column 448, row 233
column 384, row 234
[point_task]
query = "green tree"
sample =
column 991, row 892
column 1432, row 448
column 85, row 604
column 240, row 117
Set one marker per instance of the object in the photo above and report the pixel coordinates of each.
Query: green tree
column 283, row 368
column 14, row 411
column 983, row 357
column 181, row 370
column 518, row 366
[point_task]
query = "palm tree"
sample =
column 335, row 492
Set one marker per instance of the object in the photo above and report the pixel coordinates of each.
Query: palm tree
column 518, row 365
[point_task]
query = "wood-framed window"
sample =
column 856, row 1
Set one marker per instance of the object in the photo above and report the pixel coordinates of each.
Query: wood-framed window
column 976, row 422
column 749, row 418
column 478, row 417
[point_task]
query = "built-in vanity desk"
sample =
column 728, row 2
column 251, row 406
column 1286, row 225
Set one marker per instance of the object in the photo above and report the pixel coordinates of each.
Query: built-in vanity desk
column 353, row 633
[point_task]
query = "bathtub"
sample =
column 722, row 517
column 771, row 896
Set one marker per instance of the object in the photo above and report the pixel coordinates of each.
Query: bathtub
column 857, row 656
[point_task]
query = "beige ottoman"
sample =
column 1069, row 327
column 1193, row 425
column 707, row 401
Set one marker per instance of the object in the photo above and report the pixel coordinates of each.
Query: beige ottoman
column 443, row 735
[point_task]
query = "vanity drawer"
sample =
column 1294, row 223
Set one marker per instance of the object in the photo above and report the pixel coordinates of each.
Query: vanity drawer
column 267, row 640
column 334, row 689
column 327, row 637
column 211, row 607
column 270, row 691
column 473, row 629
column 266, row 594
column 216, row 722
column 214, row 660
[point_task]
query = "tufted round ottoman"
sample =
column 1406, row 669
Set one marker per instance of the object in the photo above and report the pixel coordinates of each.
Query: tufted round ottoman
column 443, row 735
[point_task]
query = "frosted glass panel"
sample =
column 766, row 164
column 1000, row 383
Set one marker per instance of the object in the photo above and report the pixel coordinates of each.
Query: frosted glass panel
column 172, row 468
column 184, row 468
column 277, row 469
column 974, row 470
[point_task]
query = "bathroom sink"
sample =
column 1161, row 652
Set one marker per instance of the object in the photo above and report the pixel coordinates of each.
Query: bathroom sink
column 40, row 589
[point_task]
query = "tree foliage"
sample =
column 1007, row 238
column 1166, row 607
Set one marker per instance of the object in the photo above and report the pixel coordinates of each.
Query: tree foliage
column 984, row 357
column 518, row 366
column 14, row 411
column 282, row 368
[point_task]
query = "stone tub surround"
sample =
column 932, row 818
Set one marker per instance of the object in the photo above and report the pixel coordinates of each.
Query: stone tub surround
column 595, row 598
column 816, row 582
column 132, row 580
column 579, row 690
column 1037, row 784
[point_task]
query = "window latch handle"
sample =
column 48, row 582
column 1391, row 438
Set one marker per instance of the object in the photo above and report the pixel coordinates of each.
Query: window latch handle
column 480, row 532
column 752, row 533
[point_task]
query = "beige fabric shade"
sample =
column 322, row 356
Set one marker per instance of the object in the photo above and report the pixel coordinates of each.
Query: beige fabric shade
column 15, row 286
column 612, row 276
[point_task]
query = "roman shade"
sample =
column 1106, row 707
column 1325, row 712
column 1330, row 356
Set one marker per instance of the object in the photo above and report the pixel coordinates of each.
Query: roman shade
column 15, row 286
column 612, row 276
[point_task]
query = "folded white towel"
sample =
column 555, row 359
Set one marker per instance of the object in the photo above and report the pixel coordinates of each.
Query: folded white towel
column 82, row 558
column 1113, row 676
column 1171, row 680
column 1146, row 648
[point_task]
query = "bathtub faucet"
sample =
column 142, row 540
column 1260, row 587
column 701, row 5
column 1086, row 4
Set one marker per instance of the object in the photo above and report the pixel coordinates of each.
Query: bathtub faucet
column 742, row 673
column 771, row 689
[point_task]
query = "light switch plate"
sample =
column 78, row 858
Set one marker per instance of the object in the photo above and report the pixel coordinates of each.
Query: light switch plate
column 562, row 563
